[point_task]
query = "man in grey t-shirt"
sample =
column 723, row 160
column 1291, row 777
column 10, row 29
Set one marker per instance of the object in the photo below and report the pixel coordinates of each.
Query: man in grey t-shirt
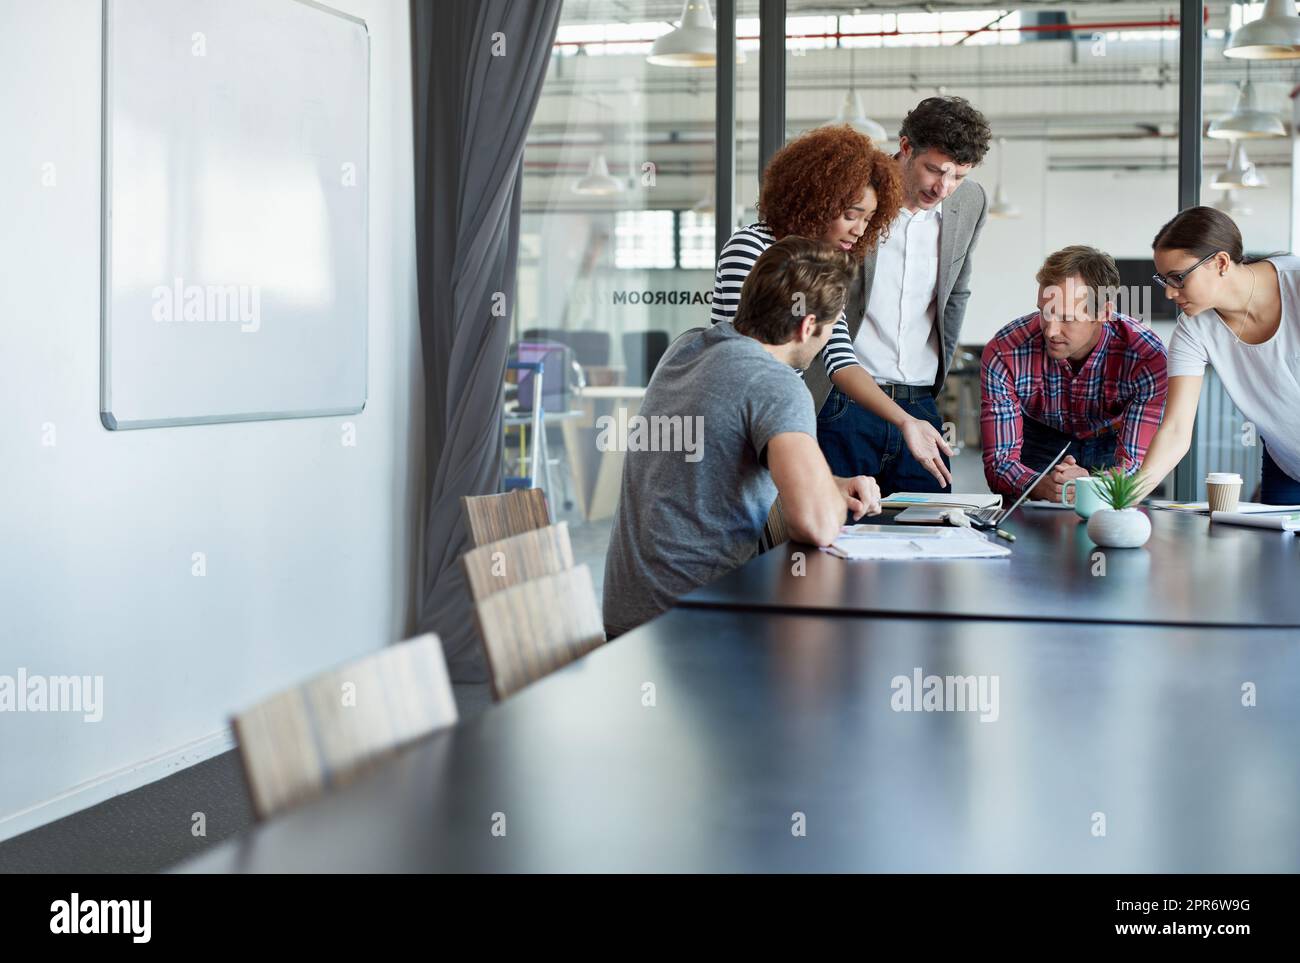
column 726, row 425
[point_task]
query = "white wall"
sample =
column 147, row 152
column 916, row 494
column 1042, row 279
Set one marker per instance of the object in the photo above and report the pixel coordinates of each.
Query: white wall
column 308, row 542
column 1009, row 251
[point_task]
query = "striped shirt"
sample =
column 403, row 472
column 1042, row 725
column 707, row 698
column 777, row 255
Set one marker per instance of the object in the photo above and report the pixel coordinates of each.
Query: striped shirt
column 734, row 263
column 1121, row 385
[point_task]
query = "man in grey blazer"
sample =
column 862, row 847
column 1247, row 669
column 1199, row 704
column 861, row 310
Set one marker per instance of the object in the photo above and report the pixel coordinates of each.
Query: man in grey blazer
column 906, row 308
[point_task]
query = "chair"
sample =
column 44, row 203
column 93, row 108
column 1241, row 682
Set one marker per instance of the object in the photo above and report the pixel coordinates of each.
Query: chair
column 589, row 347
column 531, row 629
column 494, row 517
column 775, row 530
column 519, row 558
column 556, row 374
column 302, row 741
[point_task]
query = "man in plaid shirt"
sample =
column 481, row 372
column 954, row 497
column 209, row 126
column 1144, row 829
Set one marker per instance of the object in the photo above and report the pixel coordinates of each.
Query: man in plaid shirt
column 1074, row 371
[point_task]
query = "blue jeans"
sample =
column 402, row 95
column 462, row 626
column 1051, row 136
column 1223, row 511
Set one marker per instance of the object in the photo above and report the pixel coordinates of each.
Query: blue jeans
column 1042, row 442
column 1276, row 486
column 856, row 442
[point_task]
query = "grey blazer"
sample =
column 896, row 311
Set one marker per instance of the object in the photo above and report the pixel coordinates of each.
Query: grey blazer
column 964, row 213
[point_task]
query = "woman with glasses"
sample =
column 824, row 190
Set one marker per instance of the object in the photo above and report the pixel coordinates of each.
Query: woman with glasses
column 1241, row 316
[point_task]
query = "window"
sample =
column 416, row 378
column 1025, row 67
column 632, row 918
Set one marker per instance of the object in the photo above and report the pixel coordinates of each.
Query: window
column 644, row 239
column 696, row 241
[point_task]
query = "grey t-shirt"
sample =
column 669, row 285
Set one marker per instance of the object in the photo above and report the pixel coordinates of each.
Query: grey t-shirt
column 689, row 515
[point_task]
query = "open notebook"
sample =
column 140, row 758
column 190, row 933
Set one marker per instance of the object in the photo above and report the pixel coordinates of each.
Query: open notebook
column 971, row 500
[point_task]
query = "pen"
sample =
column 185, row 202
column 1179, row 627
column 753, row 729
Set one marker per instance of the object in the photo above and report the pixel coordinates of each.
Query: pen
column 1001, row 534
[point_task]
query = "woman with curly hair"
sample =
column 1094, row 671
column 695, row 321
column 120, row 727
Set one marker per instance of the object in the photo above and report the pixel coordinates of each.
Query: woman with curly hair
column 831, row 184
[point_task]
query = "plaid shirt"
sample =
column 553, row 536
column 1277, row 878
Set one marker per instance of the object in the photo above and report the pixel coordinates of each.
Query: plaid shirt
column 1122, row 384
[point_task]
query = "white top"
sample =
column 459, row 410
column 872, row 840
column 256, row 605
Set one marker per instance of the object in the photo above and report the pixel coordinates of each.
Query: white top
column 899, row 340
column 1263, row 380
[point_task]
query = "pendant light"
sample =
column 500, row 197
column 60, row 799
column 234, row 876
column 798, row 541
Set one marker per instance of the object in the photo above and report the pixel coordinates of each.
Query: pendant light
column 1274, row 36
column 1240, row 172
column 598, row 181
column 692, row 43
column 851, row 111
column 1246, row 121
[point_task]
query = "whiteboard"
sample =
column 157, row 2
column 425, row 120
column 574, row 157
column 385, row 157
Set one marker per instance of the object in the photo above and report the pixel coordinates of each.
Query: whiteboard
column 234, row 268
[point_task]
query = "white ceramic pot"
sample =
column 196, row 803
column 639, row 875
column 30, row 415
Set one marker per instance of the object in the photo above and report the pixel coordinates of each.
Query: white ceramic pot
column 1127, row 528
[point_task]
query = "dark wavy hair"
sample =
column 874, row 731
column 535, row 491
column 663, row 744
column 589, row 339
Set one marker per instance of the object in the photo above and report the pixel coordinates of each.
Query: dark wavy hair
column 948, row 124
column 821, row 174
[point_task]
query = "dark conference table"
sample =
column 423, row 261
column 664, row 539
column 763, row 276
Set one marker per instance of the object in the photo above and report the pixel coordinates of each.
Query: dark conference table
column 1191, row 572
column 762, row 716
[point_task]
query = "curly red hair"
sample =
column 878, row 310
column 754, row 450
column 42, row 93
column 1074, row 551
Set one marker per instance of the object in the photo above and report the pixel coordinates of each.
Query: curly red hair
column 821, row 174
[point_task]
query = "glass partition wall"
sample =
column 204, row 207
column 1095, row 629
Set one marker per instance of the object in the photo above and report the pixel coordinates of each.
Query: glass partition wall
column 617, row 240
column 621, row 174
column 618, row 186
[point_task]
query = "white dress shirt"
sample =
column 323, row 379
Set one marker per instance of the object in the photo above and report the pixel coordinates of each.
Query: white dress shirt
column 899, row 340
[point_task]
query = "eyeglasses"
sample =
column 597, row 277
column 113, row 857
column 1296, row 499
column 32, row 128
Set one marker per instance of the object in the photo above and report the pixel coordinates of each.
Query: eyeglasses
column 1179, row 278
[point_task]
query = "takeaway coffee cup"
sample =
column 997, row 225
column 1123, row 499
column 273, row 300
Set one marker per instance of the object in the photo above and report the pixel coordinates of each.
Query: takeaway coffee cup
column 1223, row 488
column 1086, row 499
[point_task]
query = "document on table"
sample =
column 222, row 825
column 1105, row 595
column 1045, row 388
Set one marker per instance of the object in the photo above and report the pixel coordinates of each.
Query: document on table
column 1283, row 522
column 941, row 500
column 892, row 542
column 1203, row 508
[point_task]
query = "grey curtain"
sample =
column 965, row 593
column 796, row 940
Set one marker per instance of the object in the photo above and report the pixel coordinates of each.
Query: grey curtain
column 478, row 69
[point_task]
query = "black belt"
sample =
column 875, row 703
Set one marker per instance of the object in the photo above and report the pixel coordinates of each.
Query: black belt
column 908, row 392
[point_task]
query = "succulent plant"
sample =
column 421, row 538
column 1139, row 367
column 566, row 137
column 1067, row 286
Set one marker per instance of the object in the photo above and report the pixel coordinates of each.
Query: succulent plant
column 1116, row 489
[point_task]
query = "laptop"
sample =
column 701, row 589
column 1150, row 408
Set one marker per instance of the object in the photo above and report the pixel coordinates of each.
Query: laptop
column 992, row 518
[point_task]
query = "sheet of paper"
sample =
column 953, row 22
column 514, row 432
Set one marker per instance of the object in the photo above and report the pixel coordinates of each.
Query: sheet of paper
column 1203, row 508
column 918, row 542
column 1281, row 522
